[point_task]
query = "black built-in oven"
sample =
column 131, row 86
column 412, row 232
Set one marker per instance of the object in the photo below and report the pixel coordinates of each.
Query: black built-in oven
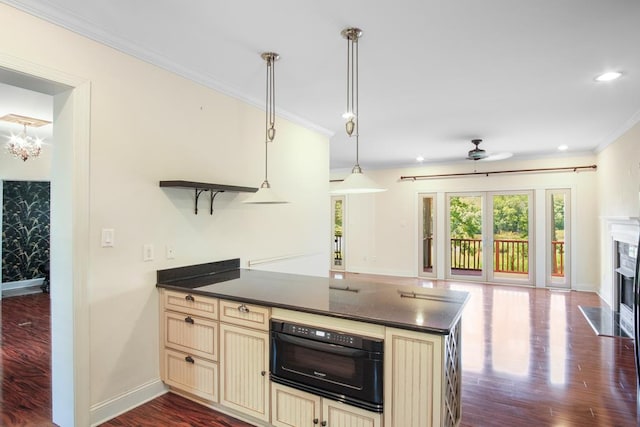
column 337, row 365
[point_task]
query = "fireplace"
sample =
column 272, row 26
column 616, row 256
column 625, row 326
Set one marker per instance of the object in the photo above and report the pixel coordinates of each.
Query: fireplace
column 624, row 236
column 626, row 255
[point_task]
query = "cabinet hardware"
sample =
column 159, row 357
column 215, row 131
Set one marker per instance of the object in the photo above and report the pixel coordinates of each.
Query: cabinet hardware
column 243, row 308
column 323, row 424
column 189, row 319
column 189, row 298
column 189, row 359
column 315, row 421
column 263, row 373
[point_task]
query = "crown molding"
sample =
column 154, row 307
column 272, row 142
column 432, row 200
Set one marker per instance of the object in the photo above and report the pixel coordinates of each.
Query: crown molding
column 62, row 17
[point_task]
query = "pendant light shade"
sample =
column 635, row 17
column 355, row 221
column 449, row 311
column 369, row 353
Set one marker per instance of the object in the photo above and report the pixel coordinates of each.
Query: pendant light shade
column 357, row 182
column 265, row 195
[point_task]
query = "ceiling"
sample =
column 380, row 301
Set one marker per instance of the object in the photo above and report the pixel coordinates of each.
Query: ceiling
column 433, row 74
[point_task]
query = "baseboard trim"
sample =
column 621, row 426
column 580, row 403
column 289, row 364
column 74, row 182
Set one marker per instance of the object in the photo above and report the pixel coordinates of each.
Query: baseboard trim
column 104, row 411
column 18, row 284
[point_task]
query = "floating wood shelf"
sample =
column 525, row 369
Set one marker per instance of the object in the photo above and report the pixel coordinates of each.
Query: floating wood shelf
column 200, row 187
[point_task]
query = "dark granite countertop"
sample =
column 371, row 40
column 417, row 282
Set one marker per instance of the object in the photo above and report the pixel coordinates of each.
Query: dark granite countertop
column 402, row 306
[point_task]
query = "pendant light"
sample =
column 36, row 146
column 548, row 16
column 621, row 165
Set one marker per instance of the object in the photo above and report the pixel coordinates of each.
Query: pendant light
column 265, row 195
column 356, row 182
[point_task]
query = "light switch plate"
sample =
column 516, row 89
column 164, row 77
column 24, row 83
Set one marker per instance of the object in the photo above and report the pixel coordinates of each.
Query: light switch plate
column 108, row 237
column 147, row 252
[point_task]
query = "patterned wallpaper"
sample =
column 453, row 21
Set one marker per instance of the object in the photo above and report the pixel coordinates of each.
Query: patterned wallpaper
column 25, row 229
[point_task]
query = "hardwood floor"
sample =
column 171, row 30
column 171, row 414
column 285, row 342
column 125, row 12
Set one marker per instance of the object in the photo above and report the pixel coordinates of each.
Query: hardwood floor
column 25, row 364
column 529, row 359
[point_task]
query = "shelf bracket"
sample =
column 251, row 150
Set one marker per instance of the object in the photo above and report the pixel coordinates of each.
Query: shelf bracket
column 199, row 191
column 213, row 196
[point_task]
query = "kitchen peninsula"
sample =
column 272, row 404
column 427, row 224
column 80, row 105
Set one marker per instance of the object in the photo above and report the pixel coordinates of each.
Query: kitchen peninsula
column 217, row 346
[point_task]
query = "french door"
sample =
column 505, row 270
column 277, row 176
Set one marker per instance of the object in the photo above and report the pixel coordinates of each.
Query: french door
column 488, row 236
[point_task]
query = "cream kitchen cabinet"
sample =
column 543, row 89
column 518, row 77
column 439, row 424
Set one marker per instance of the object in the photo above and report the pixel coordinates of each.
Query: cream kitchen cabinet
column 422, row 378
column 189, row 352
column 244, row 358
column 295, row 408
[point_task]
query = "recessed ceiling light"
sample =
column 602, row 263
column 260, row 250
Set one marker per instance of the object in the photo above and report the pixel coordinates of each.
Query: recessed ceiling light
column 608, row 76
column 563, row 147
column 419, row 159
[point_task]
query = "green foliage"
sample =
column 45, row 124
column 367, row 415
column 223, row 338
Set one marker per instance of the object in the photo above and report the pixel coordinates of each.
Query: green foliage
column 558, row 216
column 465, row 217
column 511, row 215
column 337, row 231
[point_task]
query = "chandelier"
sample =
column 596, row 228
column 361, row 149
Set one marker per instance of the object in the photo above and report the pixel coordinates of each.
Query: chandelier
column 356, row 182
column 23, row 146
column 265, row 194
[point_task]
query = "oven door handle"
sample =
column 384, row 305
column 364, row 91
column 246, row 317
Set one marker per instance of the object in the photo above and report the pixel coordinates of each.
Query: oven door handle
column 325, row 347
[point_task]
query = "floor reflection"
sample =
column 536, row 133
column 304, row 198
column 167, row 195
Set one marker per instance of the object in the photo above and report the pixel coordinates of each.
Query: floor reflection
column 530, row 358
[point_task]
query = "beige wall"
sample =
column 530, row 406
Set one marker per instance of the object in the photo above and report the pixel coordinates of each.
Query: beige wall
column 149, row 125
column 382, row 229
column 619, row 196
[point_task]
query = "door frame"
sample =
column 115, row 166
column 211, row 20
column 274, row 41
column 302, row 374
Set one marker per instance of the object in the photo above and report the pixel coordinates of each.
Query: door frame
column 487, row 274
column 70, row 320
column 530, row 280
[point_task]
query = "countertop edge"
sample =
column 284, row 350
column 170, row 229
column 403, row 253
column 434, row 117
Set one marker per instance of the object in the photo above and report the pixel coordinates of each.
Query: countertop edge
column 431, row 330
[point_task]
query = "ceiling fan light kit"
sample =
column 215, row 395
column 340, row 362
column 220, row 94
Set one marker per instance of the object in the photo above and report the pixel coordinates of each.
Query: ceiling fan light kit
column 477, row 153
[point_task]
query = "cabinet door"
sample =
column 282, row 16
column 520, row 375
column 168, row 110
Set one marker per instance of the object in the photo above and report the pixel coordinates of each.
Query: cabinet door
column 244, row 378
column 294, row 408
column 336, row 414
column 191, row 334
column 191, row 374
column 413, row 379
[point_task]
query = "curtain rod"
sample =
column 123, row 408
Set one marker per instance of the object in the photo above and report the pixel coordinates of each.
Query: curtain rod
column 454, row 175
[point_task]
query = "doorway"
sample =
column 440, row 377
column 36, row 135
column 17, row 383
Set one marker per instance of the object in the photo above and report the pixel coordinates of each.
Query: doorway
column 489, row 236
column 337, row 233
column 69, row 231
column 427, row 226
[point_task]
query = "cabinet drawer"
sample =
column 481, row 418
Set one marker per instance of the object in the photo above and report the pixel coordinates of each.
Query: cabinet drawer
column 191, row 374
column 191, row 334
column 238, row 313
column 185, row 302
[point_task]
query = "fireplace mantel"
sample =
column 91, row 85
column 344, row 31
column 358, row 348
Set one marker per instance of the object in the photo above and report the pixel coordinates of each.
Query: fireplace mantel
column 624, row 229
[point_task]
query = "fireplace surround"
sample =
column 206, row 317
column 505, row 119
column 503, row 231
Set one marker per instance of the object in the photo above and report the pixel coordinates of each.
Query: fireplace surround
column 624, row 243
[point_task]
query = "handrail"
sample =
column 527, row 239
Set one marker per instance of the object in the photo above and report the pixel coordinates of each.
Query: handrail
column 456, row 175
column 278, row 258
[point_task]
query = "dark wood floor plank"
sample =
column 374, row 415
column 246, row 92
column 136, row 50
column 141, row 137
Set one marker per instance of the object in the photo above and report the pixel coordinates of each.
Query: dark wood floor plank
column 25, row 364
column 529, row 359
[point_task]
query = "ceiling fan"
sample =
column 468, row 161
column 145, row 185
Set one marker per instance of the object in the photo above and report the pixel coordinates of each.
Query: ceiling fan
column 479, row 154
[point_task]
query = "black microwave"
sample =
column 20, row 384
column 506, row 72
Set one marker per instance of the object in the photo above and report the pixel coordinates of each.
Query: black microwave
column 344, row 367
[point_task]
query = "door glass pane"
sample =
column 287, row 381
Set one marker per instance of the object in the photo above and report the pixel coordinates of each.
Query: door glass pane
column 338, row 234
column 428, row 251
column 465, row 232
column 557, row 209
column 510, row 255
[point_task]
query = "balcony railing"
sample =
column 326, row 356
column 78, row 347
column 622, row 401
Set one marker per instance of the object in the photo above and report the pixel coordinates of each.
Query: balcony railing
column 558, row 259
column 509, row 256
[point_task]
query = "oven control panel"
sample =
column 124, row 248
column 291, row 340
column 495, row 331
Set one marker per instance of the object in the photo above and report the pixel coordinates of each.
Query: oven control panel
column 324, row 335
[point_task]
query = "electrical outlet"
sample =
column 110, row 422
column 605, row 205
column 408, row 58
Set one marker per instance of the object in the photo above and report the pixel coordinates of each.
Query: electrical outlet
column 147, row 252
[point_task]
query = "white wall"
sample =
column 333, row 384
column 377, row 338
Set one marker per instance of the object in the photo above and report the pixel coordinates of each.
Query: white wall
column 149, row 125
column 619, row 190
column 383, row 228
